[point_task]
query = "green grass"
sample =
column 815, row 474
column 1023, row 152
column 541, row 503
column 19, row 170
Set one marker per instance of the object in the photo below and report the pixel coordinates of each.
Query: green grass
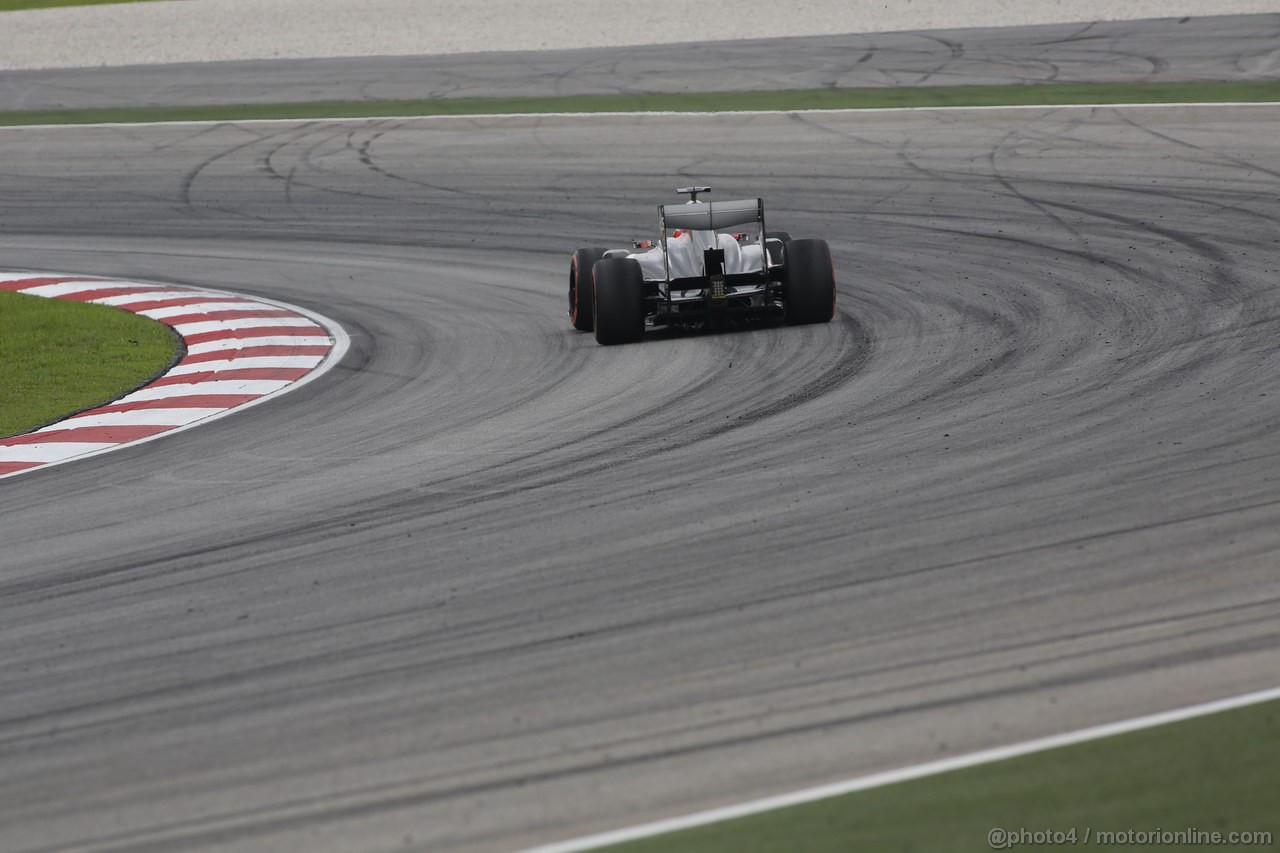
column 17, row 5
column 57, row 357
column 1220, row 772
column 813, row 99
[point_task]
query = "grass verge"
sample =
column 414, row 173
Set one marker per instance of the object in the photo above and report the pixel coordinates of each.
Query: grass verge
column 1217, row 773
column 1052, row 94
column 58, row 357
column 18, row 5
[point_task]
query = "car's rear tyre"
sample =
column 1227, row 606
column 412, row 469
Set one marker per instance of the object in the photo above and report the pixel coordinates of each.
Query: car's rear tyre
column 811, row 282
column 618, row 299
column 580, row 311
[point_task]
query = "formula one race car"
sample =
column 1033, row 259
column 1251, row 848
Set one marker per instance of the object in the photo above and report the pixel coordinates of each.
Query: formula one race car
column 696, row 276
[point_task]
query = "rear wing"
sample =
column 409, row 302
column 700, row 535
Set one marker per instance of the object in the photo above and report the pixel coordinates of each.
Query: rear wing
column 711, row 215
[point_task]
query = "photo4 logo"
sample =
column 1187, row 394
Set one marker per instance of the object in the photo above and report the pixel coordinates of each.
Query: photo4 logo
column 1001, row 838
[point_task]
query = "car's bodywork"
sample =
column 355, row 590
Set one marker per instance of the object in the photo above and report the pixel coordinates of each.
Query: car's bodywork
column 696, row 271
column 699, row 272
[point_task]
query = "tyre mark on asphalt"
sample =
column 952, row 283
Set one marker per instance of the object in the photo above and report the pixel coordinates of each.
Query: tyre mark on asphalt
column 317, row 810
column 188, row 180
column 921, row 320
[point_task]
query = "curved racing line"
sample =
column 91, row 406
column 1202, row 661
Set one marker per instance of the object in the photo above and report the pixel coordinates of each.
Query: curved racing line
column 237, row 351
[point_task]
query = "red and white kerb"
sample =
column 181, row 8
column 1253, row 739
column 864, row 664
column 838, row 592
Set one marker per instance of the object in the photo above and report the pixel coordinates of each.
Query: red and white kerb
column 238, row 351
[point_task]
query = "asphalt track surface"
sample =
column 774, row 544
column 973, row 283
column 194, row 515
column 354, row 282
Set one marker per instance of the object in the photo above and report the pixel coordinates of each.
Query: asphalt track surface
column 488, row 584
column 1235, row 47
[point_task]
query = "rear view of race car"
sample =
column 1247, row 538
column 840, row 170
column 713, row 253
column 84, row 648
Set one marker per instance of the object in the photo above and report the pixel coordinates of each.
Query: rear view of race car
column 701, row 274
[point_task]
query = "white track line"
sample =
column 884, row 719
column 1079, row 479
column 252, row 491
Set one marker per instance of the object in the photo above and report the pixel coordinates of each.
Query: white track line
column 286, row 362
column 876, row 780
column 200, row 327
column 219, row 386
column 617, row 114
column 234, row 344
column 192, row 308
column 51, row 452
column 141, row 417
column 156, row 296
column 76, row 285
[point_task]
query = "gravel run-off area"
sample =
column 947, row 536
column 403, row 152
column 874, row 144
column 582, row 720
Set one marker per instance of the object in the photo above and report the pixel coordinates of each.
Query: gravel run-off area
column 169, row 31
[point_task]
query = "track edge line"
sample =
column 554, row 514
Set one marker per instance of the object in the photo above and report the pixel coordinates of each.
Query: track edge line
column 904, row 774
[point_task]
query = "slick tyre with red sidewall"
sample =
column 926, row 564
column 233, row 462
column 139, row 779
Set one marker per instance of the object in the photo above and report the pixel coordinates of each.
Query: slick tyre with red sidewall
column 580, row 289
column 618, row 300
column 811, row 282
